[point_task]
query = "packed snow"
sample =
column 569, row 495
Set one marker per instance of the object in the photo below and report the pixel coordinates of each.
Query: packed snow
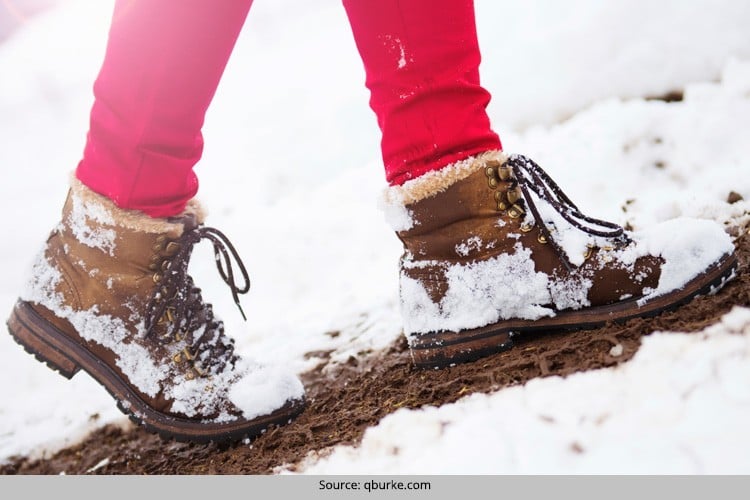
column 96, row 235
column 480, row 293
column 292, row 174
column 677, row 407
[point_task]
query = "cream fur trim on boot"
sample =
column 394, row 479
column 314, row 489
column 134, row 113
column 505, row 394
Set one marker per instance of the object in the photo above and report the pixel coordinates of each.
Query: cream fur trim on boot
column 397, row 198
column 131, row 219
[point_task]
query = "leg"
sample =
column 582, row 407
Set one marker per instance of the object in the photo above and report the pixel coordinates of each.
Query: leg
column 422, row 63
column 493, row 247
column 163, row 63
column 110, row 294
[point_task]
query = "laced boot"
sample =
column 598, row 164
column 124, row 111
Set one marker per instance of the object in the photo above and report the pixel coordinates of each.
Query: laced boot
column 494, row 248
column 110, row 294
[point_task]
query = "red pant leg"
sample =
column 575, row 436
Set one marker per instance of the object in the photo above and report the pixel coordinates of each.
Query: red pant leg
column 421, row 59
column 163, row 63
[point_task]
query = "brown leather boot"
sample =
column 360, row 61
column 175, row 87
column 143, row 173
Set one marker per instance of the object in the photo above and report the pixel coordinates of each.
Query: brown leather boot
column 110, row 294
column 494, row 248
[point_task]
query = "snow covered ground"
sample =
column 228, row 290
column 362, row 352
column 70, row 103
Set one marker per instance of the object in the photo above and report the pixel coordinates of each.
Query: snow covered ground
column 678, row 407
column 291, row 173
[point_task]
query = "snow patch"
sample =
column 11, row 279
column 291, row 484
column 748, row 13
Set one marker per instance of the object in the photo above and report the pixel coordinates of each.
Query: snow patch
column 571, row 292
column 479, row 293
column 102, row 463
column 394, row 209
column 688, row 247
column 395, row 45
column 95, row 237
column 263, row 389
column 133, row 359
column 473, row 244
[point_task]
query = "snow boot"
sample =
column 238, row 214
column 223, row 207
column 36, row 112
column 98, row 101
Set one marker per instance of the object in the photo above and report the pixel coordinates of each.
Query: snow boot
column 494, row 248
column 110, row 294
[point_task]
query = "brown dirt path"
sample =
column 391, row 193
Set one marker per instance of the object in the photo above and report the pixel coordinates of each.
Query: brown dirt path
column 356, row 395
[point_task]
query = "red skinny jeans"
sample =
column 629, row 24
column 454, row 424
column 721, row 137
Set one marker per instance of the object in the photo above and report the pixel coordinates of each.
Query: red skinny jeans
column 165, row 58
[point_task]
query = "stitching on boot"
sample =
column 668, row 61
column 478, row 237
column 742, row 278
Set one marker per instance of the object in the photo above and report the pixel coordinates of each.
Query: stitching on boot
column 67, row 281
column 57, row 258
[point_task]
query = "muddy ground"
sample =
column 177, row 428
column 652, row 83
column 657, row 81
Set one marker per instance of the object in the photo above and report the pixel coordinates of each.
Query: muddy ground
column 356, row 395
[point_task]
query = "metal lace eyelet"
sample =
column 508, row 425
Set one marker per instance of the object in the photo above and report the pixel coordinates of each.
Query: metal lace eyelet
column 505, row 173
column 491, row 177
column 172, row 248
column 502, row 204
column 525, row 228
column 589, row 251
column 514, row 195
column 515, row 212
column 156, row 277
column 189, row 375
column 541, row 239
column 177, row 358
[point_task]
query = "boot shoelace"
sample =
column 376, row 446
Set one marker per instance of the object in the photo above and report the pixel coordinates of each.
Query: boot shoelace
column 178, row 305
column 530, row 177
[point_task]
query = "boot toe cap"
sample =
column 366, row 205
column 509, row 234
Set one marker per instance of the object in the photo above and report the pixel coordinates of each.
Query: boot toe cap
column 688, row 247
column 263, row 389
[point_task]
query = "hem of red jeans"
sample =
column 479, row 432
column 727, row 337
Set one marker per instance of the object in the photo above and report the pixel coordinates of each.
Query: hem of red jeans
column 155, row 212
column 416, row 170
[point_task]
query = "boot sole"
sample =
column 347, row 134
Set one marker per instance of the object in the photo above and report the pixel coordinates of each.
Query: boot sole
column 441, row 349
column 67, row 357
